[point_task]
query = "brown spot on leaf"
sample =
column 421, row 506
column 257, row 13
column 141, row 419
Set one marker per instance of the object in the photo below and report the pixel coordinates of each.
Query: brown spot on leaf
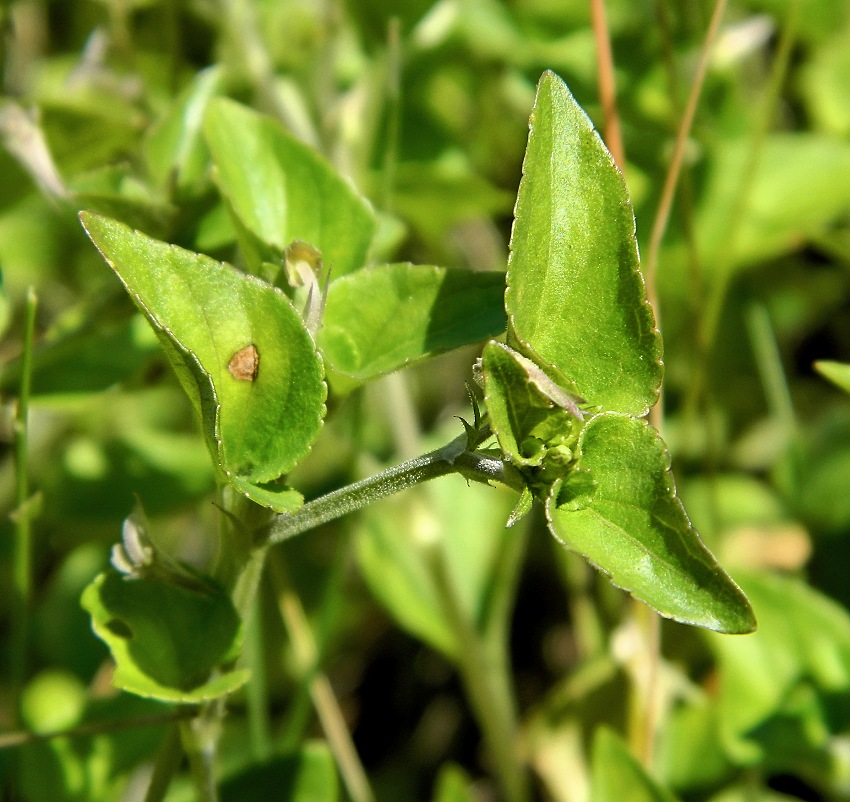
column 245, row 363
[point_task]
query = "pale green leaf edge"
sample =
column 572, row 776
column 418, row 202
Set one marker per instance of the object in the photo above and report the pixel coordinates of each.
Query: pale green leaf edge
column 282, row 499
column 706, row 621
column 128, row 677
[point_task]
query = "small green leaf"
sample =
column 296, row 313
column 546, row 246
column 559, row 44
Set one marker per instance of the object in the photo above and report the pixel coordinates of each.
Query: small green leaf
column 837, row 372
column 524, row 411
column 281, row 190
column 165, row 640
column 618, row 777
column 385, row 317
column 239, row 348
column 575, row 297
column 620, row 510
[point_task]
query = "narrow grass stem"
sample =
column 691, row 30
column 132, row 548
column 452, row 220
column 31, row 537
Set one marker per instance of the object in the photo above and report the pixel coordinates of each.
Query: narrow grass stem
column 671, row 180
column 22, row 548
column 167, row 763
column 8, row 740
column 324, row 701
column 451, row 458
column 238, row 20
column 200, row 736
column 484, row 673
column 737, row 211
column 771, row 372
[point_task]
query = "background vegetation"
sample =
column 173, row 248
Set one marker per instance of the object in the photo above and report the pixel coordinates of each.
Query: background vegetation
column 424, row 106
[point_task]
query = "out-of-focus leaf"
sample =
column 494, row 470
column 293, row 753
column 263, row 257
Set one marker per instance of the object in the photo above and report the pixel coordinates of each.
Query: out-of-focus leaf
column 281, row 190
column 174, row 148
column 690, row 754
column 88, row 360
column 239, row 348
column 576, row 301
column 837, row 372
column 824, row 79
column 618, row 777
column 166, row 639
column 382, row 318
column 461, row 528
column 803, row 636
column 453, row 785
column 434, row 196
column 5, row 307
column 306, row 776
column 53, row 701
column 801, row 185
column 619, row 509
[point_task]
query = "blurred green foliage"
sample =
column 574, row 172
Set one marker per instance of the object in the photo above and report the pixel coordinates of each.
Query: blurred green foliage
column 424, row 107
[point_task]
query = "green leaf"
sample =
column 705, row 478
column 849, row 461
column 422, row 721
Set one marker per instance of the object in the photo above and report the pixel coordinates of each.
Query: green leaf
column 239, row 348
column 530, row 415
column 620, row 510
column 453, row 785
column 462, row 529
column 809, row 172
column 837, row 372
column 308, row 775
column 385, row 317
column 174, row 148
column 575, row 297
column 281, row 190
column 165, row 639
column 618, row 777
column 803, row 637
column 89, row 359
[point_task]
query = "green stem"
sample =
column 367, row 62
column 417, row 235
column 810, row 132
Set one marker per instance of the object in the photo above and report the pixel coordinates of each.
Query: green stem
column 725, row 261
column 200, row 737
column 256, row 692
column 22, row 555
column 451, row 458
column 485, row 678
column 167, row 762
column 330, row 715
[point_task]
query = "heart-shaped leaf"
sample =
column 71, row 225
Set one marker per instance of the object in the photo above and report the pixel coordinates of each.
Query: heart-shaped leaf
column 575, row 298
column 239, row 348
column 281, row 190
column 620, row 510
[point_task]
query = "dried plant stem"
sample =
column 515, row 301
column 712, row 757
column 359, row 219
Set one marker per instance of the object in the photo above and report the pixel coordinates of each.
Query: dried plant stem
column 671, row 180
column 605, row 77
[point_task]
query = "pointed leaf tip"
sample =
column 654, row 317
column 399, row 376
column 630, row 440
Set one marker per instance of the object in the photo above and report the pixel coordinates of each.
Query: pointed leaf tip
column 619, row 509
column 575, row 297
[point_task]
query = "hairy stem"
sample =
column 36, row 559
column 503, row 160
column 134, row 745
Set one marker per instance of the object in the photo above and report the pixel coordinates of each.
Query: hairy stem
column 451, row 458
